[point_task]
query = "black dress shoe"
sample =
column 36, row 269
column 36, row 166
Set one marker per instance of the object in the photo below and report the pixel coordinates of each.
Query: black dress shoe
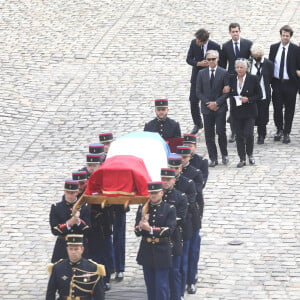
column 196, row 128
column 107, row 286
column 278, row 135
column 119, row 276
column 260, row 140
column 225, row 160
column 213, row 163
column 191, row 289
column 232, row 138
column 286, row 138
column 251, row 160
column 241, row 164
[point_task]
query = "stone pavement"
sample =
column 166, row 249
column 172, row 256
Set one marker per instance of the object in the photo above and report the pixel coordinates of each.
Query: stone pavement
column 73, row 69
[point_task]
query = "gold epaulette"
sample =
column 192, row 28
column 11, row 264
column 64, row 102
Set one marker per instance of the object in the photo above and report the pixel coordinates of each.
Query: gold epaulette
column 100, row 268
column 50, row 266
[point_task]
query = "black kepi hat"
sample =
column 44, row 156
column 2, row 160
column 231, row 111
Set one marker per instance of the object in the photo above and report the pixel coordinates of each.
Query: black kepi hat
column 175, row 160
column 168, row 173
column 155, row 186
column 190, row 138
column 96, row 148
column 106, row 137
column 79, row 175
column 71, row 185
column 183, row 150
column 161, row 103
column 93, row 158
column 74, row 239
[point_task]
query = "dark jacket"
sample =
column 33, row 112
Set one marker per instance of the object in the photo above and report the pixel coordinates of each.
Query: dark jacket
column 162, row 218
column 252, row 90
column 267, row 73
column 194, row 56
column 59, row 214
column 206, row 93
column 292, row 60
column 200, row 163
column 68, row 279
column 188, row 187
column 196, row 175
column 179, row 200
column 228, row 54
column 167, row 128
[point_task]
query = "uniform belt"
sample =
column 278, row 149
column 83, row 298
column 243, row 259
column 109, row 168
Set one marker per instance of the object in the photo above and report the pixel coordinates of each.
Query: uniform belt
column 76, row 298
column 155, row 240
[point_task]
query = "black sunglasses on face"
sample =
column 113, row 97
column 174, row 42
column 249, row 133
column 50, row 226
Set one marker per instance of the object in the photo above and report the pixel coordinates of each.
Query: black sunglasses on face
column 211, row 59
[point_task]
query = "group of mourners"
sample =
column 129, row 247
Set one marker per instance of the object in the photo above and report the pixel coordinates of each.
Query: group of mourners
column 238, row 71
column 90, row 243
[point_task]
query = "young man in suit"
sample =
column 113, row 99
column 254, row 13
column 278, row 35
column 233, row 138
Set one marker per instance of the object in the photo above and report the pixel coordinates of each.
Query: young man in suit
column 236, row 47
column 196, row 58
column 286, row 58
column 263, row 68
column 212, row 89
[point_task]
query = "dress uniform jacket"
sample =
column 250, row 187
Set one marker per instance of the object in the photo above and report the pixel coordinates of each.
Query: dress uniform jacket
column 198, row 162
column 179, row 200
column 196, row 175
column 70, row 280
column 167, row 128
column 59, row 214
column 155, row 249
column 187, row 186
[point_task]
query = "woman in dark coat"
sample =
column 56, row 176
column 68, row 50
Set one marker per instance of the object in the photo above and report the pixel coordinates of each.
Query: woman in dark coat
column 245, row 91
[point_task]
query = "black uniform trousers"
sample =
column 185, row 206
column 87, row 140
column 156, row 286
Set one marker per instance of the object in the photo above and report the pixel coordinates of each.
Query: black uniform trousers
column 244, row 137
column 215, row 122
column 284, row 95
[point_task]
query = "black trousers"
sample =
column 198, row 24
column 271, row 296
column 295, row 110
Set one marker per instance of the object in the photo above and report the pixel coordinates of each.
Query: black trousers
column 215, row 122
column 244, row 137
column 194, row 105
column 284, row 96
column 263, row 117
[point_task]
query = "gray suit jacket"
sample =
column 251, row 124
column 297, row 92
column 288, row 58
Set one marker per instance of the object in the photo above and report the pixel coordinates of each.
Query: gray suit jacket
column 215, row 93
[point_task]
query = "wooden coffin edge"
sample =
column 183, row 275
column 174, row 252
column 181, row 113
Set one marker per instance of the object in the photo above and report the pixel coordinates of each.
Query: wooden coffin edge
column 103, row 200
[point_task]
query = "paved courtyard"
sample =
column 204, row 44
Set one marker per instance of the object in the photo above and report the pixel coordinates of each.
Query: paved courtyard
column 73, row 69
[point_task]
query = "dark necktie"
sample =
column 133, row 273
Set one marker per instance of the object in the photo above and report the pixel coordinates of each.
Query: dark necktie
column 202, row 52
column 212, row 77
column 237, row 51
column 258, row 69
column 282, row 63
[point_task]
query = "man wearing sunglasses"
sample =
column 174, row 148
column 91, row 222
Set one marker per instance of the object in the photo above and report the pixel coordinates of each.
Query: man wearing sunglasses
column 212, row 88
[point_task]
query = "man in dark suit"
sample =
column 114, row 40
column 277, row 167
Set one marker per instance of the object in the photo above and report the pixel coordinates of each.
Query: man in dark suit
column 196, row 58
column 235, row 48
column 212, row 89
column 285, row 84
column 263, row 68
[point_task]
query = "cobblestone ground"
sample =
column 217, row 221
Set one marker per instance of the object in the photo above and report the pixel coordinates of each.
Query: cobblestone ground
column 73, row 69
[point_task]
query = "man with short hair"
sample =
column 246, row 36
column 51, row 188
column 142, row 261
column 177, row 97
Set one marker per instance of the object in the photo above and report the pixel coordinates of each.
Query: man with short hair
column 286, row 58
column 196, row 58
column 236, row 47
column 75, row 277
column 212, row 89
